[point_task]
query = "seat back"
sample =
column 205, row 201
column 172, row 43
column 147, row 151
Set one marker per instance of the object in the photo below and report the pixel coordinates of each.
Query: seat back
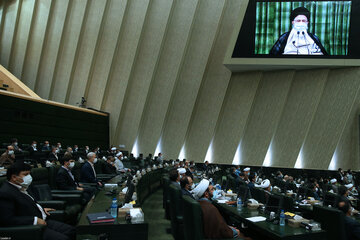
column 40, row 176
column 41, row 192
column 332, row 221
column 175, row 201
column 330, row 199
column 193, row 229
column 259, row 195
column 176, row 213
column 52, row 176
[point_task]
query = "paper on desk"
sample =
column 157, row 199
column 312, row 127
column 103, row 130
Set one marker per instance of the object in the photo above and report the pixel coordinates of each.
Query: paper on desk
column 256, row 219
column 222, row 201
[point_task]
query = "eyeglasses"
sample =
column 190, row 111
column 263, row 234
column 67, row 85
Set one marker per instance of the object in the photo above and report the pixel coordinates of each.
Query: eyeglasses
column 301, row 20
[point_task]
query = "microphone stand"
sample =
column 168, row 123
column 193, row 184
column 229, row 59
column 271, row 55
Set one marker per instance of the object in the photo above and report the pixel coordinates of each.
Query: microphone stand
column 307, row 42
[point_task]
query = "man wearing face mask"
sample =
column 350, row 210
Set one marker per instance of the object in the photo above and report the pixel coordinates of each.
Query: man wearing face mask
column 214, row 225
column 8, row 157
column 65, row 179
column 33, row 148
column 187, row 185
column 46, row 146
column 88, row 174
column 19, row 208
column 53, row 157
column 15, row 145
column 298, row 41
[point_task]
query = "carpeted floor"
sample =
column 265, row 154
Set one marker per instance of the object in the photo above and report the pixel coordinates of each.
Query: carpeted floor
column 154, row 215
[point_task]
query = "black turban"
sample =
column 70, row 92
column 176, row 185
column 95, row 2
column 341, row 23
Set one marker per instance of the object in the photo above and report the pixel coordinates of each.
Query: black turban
column 299, row 11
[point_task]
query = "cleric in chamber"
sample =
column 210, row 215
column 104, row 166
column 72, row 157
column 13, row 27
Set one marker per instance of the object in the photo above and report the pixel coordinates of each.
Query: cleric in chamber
column 298, row 41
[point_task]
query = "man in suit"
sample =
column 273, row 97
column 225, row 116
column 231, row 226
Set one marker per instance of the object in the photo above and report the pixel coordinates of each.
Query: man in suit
column 186, row 184
column 19, row 208
column 351, row 225
column 174, row 177
column 33, row 148
column 65, row 179
column 15, row 145
column 88, row 174
column 8, row 157
column 109, row 166
column 46, row 146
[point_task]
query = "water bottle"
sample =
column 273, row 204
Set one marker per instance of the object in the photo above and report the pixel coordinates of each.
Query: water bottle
column 282, row 218
column 113, row 208
column 239, row 204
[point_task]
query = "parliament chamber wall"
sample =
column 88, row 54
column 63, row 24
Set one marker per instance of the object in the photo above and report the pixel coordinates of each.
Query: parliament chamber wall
column 157, row 68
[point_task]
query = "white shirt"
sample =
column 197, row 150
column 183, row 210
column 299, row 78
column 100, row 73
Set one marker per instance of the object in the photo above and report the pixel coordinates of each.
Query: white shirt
column 92, row 166
column 23, row 190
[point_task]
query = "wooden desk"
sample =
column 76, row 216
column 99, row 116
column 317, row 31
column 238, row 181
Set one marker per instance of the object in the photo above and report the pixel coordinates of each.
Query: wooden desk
column 120, row 229
column 264, row 229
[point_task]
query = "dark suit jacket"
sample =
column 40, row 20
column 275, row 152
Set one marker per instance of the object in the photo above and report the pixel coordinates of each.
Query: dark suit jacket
column 52, row 157
column 16, row 208
column 46, row 148
column 187, row 193
column 64, row 180
column 108, row 168
column 32, row 151
column 87, row 174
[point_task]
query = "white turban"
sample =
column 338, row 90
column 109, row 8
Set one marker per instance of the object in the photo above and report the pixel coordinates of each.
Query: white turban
column 265, row 183
column 348, row 186
column 247, row 169
column 333, row 180
column 201, row 188
column 113, row 148
column 118, row 154
column 181, row 170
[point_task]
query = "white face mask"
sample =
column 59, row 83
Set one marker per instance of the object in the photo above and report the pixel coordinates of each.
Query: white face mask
column 192, row 186
column 57, row 150
column 95, row 160
column 270, row 188
column 300, row 26
column 15, row 143
column 47, row 145
column 59, row 146
column 27, row 180
column 11, row 152
column 72, row 164
column 34, row 145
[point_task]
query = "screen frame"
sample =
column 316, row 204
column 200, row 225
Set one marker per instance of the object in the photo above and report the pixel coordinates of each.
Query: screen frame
column 269, row 63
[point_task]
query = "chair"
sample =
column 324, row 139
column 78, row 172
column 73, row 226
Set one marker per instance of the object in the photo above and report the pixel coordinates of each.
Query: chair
column 22, row 232
column 332, row 221
column 193, row 222
column 166, row 197
column 330, row 199
column 193, row 229
column 258, row 194
column 69, row 203
column 176, row 214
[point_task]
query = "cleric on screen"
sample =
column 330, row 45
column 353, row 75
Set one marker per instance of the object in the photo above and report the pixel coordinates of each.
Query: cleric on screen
column 298, row 41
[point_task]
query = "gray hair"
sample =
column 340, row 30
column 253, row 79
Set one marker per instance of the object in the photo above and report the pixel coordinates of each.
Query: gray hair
column 90, row 155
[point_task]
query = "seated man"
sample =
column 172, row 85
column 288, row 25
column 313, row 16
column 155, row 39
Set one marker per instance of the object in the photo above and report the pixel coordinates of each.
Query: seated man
column 174, row 178
column 88, row 174
column 53, row 157
column 65, row 179
column 214, row 224
column 8, row 157
column 186, row 184
column 33, row 148
column 351, row 225
column 19, row 208
column 15, row 145
column 109, row 166
column 266, row 185
column 46, row 146
column 118, row 163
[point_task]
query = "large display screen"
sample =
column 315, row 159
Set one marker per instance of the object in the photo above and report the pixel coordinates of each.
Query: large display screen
column 315, row 29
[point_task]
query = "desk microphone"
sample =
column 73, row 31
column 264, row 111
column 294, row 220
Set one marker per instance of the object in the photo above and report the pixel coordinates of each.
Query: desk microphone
column 307, row 42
